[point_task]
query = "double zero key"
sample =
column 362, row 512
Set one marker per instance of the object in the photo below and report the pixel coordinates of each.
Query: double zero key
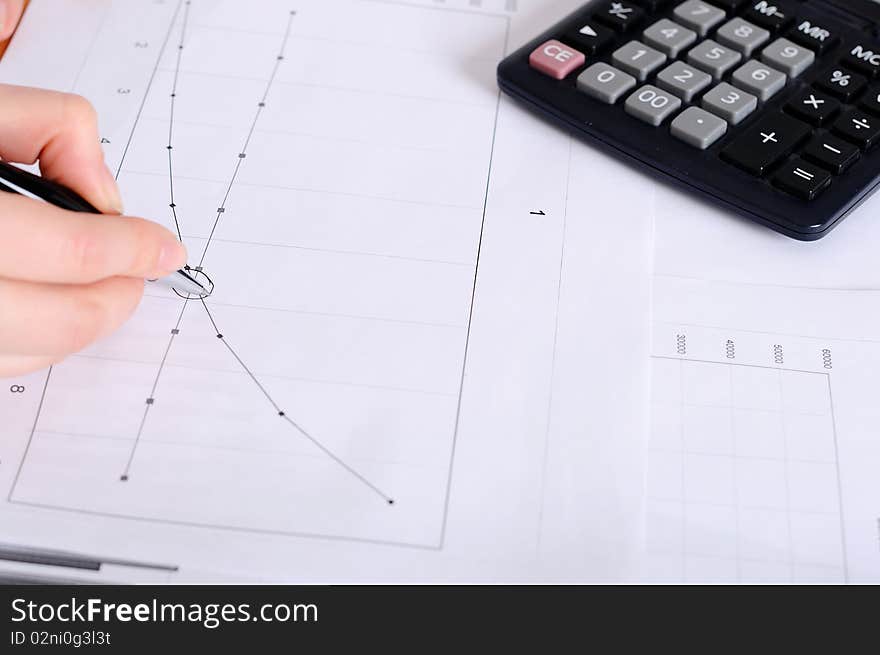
column 766, row 143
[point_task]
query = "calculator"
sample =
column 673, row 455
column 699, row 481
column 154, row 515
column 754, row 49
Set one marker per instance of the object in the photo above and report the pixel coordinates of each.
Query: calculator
column 769, row 108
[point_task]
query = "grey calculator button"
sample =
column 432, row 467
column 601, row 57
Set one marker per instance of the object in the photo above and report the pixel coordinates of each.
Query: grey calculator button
column 669, row 37
column 714, row 58
column 683, row 80
column 788, row 57
column 638, row 59
column 699, row 16
column 652, row 105
column 698, row 128
column 732, row 104
column 742, row 35
column 605, row 82
column 759, row 79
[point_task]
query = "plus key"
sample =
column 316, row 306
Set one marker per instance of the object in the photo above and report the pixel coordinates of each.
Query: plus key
column 766, row 143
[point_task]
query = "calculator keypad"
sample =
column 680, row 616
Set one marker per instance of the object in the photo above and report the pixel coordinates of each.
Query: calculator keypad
column 766, row 143
column 620, row 16
column 589, row 37
column 802, row 179
column 813, row 106
column 605, row 83
column 788, row 57
column 699, row 16
column 701, row 68
column 683, row 80
column 714, row 58
column 669, row 37
column 697, row 127
column 638, row 60
column 743, row 36
column 652, row 105
column 861, row 128
column 759, row 79
column 773, row 15
column 831, row 153
column 730, row 103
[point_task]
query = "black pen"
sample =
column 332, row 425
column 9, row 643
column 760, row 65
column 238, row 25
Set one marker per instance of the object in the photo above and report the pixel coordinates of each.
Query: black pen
column 16, row 180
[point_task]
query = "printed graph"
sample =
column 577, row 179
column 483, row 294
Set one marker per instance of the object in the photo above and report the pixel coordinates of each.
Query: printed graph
column 743, row 478
column 330, row 183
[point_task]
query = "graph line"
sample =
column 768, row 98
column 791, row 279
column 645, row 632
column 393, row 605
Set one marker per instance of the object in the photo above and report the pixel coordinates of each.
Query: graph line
column 170, row 146
column 243, row 153
column 284, row 416
column 151, row 399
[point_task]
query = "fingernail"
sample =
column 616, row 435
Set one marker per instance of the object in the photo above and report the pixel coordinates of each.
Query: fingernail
column 172, row 257
column 112, row 197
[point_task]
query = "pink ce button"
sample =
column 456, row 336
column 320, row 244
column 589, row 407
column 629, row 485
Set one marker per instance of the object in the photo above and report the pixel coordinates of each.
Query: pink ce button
column 556, row 59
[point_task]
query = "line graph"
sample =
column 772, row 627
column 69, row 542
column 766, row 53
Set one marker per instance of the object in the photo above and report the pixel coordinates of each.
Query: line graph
column 151, row 399
column 340, row 310
column 744, row 479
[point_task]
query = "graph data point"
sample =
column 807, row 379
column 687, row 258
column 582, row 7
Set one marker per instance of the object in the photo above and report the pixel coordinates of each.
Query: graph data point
column 262, row 104
column 280, row 413
column 169, row 147
column 172, row 204
column 219, row 336
column 175, row 331
column 241, row 155
column 390, row 501
column 173, row 95
column 123, row 478
column 221, row 210
column 150, row 401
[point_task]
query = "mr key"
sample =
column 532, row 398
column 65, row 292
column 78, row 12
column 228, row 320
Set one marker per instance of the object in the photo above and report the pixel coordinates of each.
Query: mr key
column 770, row 108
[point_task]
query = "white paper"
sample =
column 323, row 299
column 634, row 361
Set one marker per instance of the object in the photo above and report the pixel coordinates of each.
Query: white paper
column 420, row 275
column 764, row 456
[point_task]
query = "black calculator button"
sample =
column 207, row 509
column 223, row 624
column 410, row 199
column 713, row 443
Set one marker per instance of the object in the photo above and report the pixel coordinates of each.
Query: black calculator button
column 831, row 153
column 861, row 128
column 802, row 179
column 813, row 34
column 864, row 58
column 871, row 101
column 773, row 15
column 589, row 37
column 842, row 83
column 766, row 143
column 653, row 5
column 813, row 106
column 729, row 6
column 620, row 16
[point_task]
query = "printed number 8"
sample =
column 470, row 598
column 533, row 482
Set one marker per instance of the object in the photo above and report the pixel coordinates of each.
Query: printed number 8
column 16, row 388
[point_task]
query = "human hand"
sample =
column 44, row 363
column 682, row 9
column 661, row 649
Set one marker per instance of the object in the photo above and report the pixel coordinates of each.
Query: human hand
column 10, row 14
column 67, row 278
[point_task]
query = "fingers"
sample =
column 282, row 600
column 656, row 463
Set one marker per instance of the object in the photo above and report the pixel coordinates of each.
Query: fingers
column 61, row 130
column 11, row 365
column 54, row 320
column 41, row 243
column 10, row 14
